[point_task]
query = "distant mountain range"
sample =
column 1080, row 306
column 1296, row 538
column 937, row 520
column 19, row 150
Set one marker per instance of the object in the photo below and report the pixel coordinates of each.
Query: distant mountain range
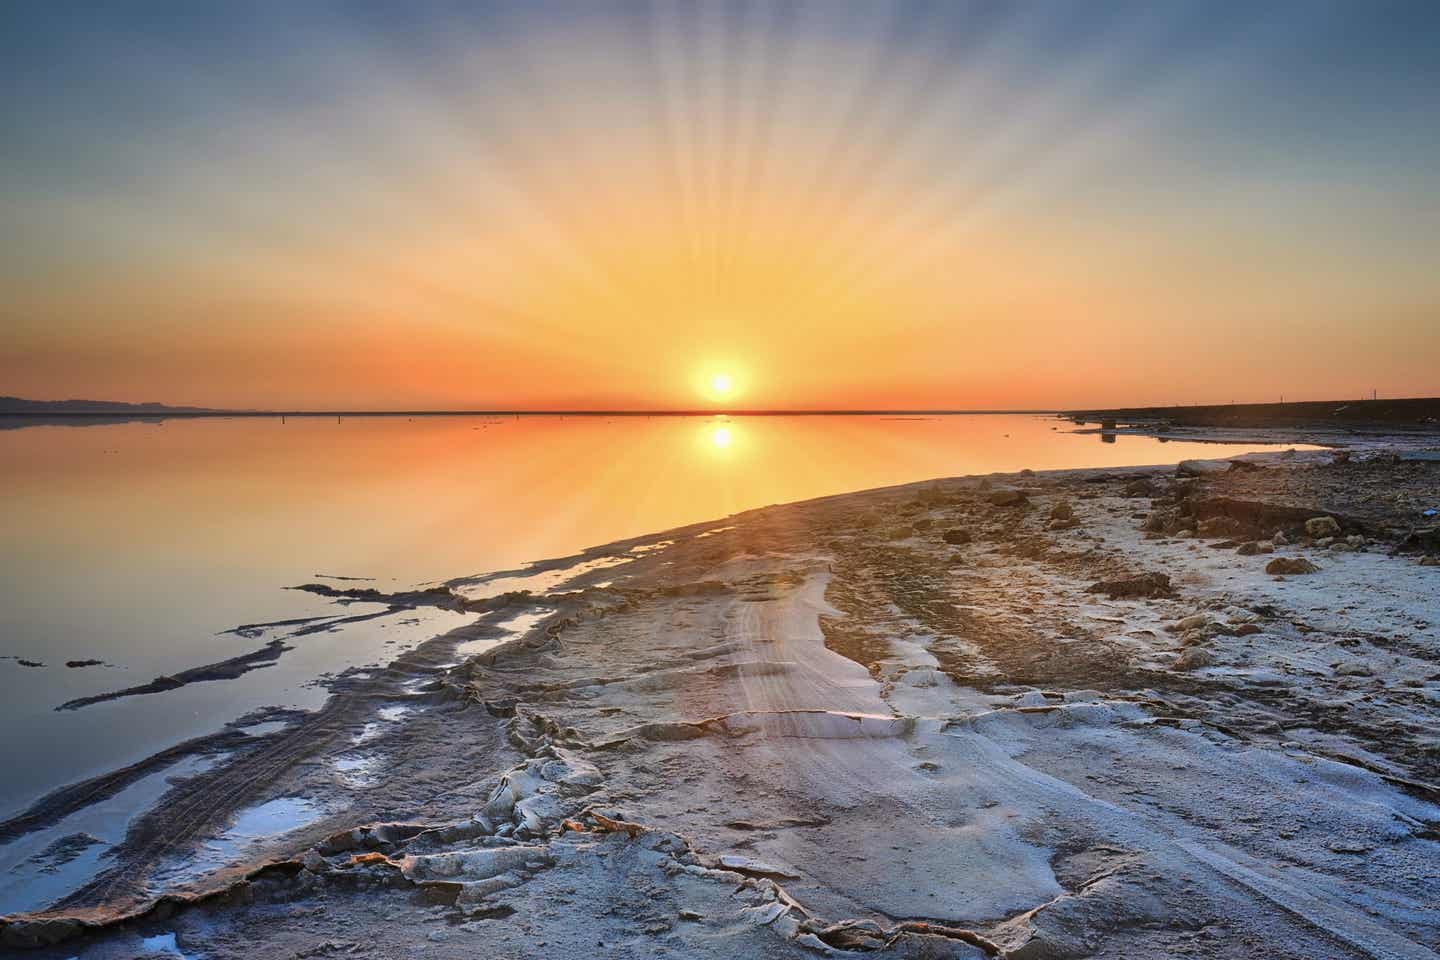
column 41, row 407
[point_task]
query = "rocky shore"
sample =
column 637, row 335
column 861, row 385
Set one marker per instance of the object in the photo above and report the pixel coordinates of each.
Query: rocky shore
column 1143, row 713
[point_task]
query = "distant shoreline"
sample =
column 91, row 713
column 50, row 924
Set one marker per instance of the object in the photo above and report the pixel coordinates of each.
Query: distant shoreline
column 270, row 414
column 1411, row 411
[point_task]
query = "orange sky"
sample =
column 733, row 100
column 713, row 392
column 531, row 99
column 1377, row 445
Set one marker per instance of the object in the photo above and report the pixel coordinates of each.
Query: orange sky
column 607, row 212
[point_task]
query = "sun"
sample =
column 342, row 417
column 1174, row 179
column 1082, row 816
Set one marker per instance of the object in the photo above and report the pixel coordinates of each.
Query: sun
column 719, row 385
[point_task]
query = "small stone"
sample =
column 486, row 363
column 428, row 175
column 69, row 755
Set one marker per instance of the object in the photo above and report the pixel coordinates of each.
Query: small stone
column 1186, row 624
column 1280, row 540
column 1247, row 629
column 1202, row 468
column 1062, row 510
column 1350, row 846
column 1146, row 585
column 956, row 536
column 1249, row 549
column 1282, row 566
column 1007, row 497
column 1430, row 561
column 1193, row 658
column 1319, row 527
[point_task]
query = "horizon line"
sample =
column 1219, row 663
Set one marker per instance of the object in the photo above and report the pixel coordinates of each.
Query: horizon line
column 697, row 412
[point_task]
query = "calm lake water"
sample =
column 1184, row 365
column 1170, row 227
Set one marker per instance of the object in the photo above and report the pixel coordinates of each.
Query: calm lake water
column 145, row 544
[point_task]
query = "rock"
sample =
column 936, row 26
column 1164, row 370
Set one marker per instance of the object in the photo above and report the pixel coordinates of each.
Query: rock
column 1424, row 540
column 1007, row 497
column 1193, row 658
column 1355, row 668
column 1065, row 524
column 1350, row 846
column 1186, row 624
column 1179, row 526
column 1430, row 561
column 1282, row 566
column 922, row 523
column 1139, row 488
column 1280, row 540
column 1202, row 468
column 1319, row 527
column 1249, row 549
column 1213, row 527
column 76, row 664
column 956, row 536
column 1248, row 629
column 1145, row 585
column 1157, row 520
column 1356, row 541
column 1062, row 510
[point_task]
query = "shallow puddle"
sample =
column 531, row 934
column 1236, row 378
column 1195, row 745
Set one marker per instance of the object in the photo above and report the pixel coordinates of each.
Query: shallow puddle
column 244, row 839
column 515, row 626
column 42, row 867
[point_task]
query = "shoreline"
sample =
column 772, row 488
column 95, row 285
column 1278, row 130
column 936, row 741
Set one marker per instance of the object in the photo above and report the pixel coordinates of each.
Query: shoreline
column 1324, row 422
column 842, row 620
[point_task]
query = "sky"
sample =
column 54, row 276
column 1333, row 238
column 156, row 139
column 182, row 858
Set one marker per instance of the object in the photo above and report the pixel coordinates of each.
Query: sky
column 748, row 205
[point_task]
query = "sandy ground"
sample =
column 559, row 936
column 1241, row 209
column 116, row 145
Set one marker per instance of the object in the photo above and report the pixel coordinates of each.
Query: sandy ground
column 1030, row 716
